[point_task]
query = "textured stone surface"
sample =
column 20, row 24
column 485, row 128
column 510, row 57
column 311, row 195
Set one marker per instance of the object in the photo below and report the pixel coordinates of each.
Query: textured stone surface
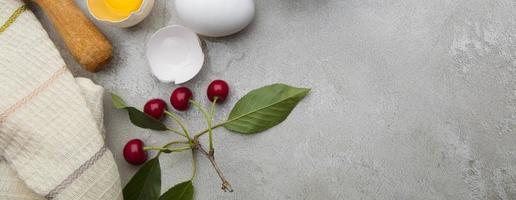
column 410, row 99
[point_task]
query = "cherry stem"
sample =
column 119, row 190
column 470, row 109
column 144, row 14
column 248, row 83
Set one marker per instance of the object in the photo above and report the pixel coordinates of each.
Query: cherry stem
column 178, row 121
column 212, row 112
column 176, row 131
column 225, row 183
column 207, row 130
column 166, row 150
column 172, row 143
column 208, row 117
column 194, row 165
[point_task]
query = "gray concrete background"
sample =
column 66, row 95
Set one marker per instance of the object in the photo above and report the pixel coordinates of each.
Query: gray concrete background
column 410, row 99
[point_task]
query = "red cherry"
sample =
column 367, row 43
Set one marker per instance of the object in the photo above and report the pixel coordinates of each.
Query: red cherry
column 218, row 88
column 134, row 153
column 180, row 98
column 155, row 108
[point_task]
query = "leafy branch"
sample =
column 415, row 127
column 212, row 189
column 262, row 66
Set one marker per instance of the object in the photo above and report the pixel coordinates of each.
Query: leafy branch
column 257, row 111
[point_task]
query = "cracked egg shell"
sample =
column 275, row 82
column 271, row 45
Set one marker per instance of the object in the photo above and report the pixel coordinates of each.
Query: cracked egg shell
column 174, row 54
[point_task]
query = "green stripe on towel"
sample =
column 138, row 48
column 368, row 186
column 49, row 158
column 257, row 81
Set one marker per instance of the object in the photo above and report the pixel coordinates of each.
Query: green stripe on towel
column 13, row 18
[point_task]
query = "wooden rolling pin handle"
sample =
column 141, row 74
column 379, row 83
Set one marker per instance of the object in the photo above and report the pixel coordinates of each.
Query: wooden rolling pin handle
column 86, row 43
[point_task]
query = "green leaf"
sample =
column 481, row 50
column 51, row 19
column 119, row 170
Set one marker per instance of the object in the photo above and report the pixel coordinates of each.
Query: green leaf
column 143, row 120
column 264, row 108
column 117, row 101
column 181, row 191
column 146, row 183
column 137, row 117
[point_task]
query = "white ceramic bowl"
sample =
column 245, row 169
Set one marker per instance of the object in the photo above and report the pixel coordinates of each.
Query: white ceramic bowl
column 134, row 18
column 174, row 54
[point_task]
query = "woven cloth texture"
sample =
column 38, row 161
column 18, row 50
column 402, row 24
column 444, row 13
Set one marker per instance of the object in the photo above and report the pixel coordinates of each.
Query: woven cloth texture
column 50, row 123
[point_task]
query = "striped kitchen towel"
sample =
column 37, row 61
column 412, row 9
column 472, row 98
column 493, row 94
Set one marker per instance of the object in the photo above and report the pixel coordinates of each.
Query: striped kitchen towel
column 51, row 142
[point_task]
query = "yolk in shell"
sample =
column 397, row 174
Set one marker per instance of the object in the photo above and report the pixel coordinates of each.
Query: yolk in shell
column 122, row 7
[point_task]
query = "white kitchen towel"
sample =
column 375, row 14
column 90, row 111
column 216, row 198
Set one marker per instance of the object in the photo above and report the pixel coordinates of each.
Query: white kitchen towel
column 12, row 187
column 49, row 136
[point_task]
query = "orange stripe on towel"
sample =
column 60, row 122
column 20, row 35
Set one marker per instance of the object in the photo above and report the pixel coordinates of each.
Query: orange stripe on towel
column 34, row 93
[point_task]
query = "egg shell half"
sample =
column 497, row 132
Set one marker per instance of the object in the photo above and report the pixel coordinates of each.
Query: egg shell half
column 174, row 54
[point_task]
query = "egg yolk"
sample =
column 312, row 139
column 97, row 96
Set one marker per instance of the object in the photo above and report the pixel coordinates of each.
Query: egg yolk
column 123, row 7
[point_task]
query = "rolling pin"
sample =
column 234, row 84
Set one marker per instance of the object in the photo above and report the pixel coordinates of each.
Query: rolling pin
column 86, row 43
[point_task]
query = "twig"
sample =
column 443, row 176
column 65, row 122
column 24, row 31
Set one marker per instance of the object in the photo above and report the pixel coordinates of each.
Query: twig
column 225, row 183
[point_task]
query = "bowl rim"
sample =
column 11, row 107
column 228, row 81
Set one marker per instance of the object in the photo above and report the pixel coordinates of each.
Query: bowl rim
column 140, row 10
